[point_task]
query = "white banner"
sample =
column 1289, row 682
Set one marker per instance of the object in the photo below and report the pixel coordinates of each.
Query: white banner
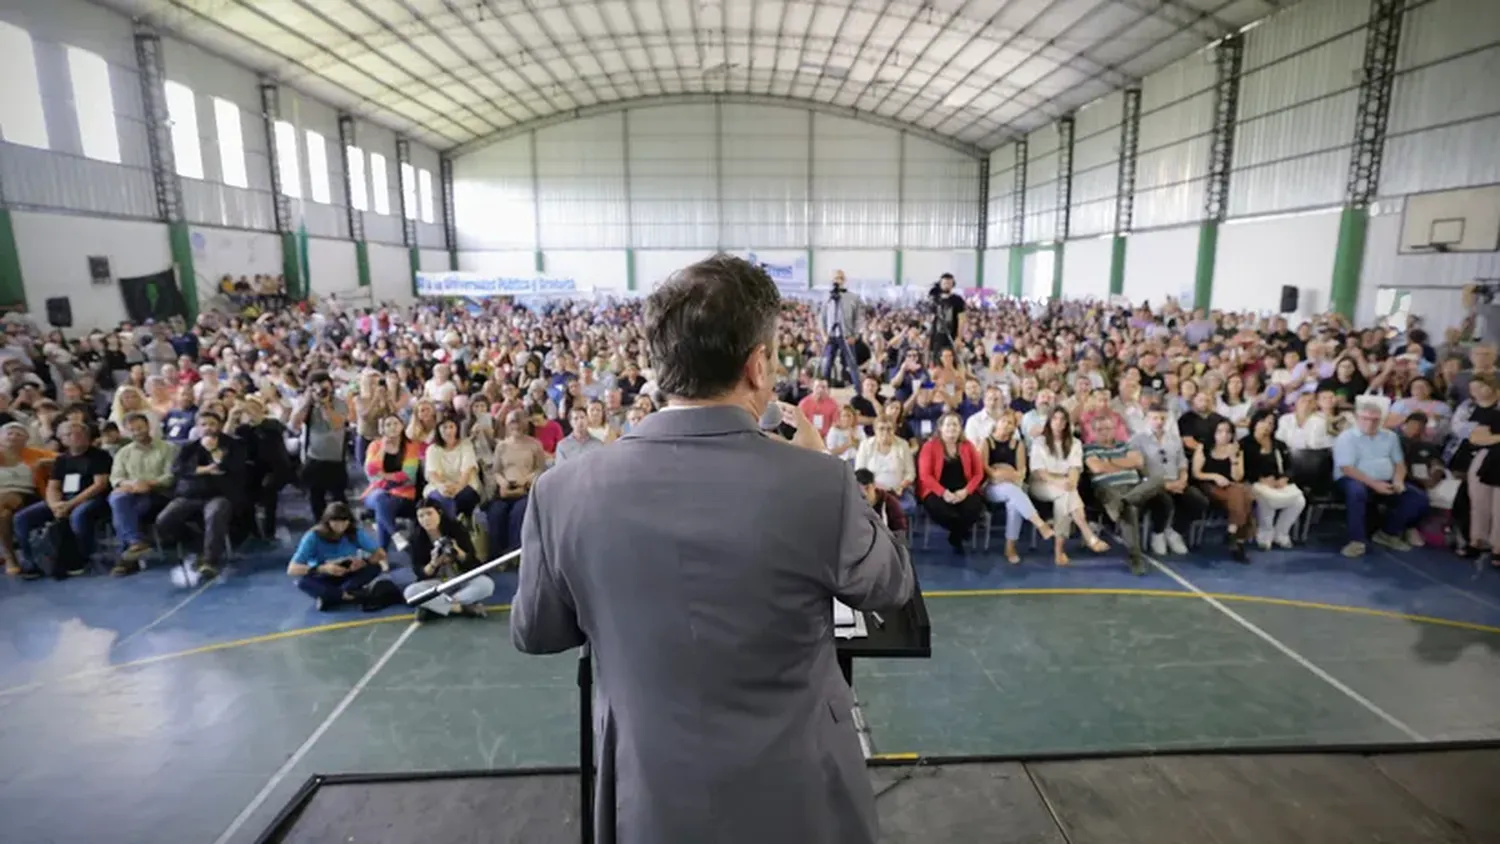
column 789, row 278
column 480, row 286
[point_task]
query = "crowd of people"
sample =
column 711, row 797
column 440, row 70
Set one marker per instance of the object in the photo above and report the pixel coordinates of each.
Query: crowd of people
column 436, row 419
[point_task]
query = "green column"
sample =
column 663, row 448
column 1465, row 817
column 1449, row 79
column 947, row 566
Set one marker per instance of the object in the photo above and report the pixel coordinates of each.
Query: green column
column 1117, row 266
column 12, row 286
column 182, row 258
column 291, row 267
column 362, row 262
column 1203, row 280
column 899, row 260
column 1348, row 260
column 979, row 268
column 630, row 281
column 415, row 256
column 541, row 264
column 453, row 261
column 1057, row 270
column 1017, row 270
column 810, row 282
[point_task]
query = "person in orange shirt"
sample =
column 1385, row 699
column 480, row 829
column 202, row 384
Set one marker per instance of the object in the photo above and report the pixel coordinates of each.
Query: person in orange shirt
column 819, row 407
column 23, row 479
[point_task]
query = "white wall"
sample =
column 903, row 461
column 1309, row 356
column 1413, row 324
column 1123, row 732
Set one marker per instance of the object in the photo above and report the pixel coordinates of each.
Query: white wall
column 434, row 260
column 511, row 262
column 1086, row 267
column 332, row 266
column 591, row 269
column 390, row 273
column 1036, row 274
column 1161, row 263
column 862, row 267
column 221, row 252
column 1385, row 267
column 652, row 266
column 133, row 248
column 1257, row 256
column 997, row 269
column 921, row 267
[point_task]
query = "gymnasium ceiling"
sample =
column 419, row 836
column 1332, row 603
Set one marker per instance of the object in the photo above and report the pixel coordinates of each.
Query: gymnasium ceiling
column 450, row 73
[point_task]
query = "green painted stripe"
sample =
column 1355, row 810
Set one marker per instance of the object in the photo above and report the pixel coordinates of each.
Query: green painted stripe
column 1057, row 271
column 291, row 266
column 362, row 262
column 900, row 259
column 414, row 255
column 1203, row 280
column 12, row 285
column 630, row 280
column 1016, row 273
column 1348, row 260
column 1117, row 266
column 182, row 259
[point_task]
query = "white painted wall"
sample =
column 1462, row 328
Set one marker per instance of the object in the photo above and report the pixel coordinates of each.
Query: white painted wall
column 652, row 266
column 592, row 269
column 332, row 266
column 221, row 252
column 1036, row 274
column 390, row 273
column 921, row 267
column 997, row 269
column 1086, row 268
column 511, row 262
column 1257, row 256
column 864, row 268
column 434, row 260
column 1161, row 263
column 54, row 250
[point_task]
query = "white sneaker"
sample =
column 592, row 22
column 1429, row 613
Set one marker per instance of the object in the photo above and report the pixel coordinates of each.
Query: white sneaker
column 1174, row 542
column 1159, row 545
column 1283, row 542
column 1263, row 540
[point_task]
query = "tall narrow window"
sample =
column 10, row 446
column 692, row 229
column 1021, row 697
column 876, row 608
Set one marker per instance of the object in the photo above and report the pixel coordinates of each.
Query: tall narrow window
column 317, row 167
column 231, row 143
column 182, row 111
column 380, row 185
column 287, row 160
column 94, row 103
column 22, row 120
column 409, row 191
column 359, row 189
column 424, row 190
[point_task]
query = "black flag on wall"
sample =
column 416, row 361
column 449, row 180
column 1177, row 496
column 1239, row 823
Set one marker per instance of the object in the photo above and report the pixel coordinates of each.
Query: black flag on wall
column 152, row 297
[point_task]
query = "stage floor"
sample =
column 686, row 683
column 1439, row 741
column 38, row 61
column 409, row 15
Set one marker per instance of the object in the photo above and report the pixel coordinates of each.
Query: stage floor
column 130, row 708
column 1418, row 798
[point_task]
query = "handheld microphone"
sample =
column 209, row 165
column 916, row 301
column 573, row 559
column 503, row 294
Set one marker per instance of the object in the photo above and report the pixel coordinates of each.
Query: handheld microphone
column 770, row 420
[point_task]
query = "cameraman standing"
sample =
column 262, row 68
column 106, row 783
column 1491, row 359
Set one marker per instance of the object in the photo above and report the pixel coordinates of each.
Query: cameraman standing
column 322, row 421
column 947, row 315
column 843, row 318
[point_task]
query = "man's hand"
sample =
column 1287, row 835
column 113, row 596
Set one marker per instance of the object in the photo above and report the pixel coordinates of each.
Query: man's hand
column 430, row 570
column 59, row 509
column 1398, row 487
column 1381, row 487
column 807, row 435
column 1177, row 487
column 357, row 563
column 332, row 570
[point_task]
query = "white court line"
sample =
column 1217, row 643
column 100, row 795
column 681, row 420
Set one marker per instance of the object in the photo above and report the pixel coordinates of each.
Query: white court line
column 307, row 746
column 166, row 615
column 1293, row 655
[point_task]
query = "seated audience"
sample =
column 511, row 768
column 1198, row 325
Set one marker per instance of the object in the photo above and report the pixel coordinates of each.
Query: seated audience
column 210, row 473
column 141, row 479
column 1268, row 471
column 1219, row 469
column 392, row 464
column 1117, row 473
column 949, row 473
column 451, row 469
column 885, row 504
column 75, row 501
column 441, row 550
column 889, row 459
column 1369, row 468
column 517, row 462
column 1003, row 453
column 580, row 441
column 1056, row 465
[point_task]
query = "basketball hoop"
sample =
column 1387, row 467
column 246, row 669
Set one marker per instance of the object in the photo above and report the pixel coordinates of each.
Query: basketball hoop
column 1440, row 247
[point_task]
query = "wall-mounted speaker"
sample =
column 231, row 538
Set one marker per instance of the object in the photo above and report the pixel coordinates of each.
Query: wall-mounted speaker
column 99, row 269
column 1289, row 299
column 60, row 312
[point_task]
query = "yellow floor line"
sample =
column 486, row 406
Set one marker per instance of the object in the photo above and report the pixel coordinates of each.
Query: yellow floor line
column 935, row 594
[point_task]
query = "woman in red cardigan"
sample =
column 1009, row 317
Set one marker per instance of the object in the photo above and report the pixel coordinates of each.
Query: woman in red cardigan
column 949, row 474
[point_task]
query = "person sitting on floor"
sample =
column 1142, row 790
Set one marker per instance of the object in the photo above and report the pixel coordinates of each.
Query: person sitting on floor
column 211, row 484
column 336, row 560
column 1368, row 464
column 884, row 502
column 75, row 500
column 141, row 479
column 949, row 473
column 441, row 550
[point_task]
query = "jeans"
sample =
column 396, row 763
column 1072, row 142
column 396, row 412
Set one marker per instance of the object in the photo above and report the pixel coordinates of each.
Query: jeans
column 1124, row 502
column 459, row 505
column 327, row 480
column 839, row 347
column 472, row 592
column 1404, row 510
column 127, row 509
column 908, row 501
column 332, row 589
column 215, row 514
column 503, row 519
column 1018, row 506
column 77, row 539
column 388, row 508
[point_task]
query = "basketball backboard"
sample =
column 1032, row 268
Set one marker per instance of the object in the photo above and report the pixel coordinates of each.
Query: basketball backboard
column 1466, row 220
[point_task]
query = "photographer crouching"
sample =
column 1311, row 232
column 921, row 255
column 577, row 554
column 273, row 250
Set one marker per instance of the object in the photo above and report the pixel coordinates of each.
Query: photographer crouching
column 440, row 551
column 843, row 317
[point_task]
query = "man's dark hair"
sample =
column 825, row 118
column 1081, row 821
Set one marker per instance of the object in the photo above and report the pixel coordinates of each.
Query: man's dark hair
column 704, row 321
column 864, row 477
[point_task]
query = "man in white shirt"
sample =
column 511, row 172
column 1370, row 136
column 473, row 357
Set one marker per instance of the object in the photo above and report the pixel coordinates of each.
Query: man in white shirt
column 982, row 424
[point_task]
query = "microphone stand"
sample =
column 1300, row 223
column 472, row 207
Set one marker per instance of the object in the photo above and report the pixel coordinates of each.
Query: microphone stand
column 505, row 562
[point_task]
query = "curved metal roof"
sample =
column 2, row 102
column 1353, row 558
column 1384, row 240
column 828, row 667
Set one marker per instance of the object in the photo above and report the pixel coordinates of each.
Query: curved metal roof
column 453, row 72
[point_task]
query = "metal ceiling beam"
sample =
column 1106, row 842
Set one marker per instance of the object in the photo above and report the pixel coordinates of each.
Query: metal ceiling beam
column 635, row 20
column 885, row 57
column 541, row 24
column 457, row 12
column 288, row 61
column 468, row 60
column 348, row 33
column 619, row 47
column 838, row 36
column 1180, row 28
column 926, row 48
column 526, row 51
column 721, row 98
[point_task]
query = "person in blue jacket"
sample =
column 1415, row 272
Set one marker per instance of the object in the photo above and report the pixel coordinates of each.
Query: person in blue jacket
column 337, row 560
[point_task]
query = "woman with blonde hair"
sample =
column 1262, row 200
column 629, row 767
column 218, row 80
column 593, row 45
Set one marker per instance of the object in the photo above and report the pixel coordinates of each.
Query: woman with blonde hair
column 422, row 428
column 128, row 400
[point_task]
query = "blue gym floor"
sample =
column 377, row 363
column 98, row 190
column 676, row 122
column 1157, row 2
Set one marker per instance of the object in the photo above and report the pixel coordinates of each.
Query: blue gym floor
column 134, row 711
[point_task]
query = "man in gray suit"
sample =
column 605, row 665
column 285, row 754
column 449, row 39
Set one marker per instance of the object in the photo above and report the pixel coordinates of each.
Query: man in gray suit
column 699, row 558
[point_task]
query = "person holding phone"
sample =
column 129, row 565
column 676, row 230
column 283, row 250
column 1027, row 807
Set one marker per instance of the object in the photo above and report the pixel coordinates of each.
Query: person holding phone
column 337, row 560
column 211, row 484
column 441, row 550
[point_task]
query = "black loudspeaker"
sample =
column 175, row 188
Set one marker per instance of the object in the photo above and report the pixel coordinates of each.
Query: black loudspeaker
column 60, row 312
column 1288, row 299
column 99, row 269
